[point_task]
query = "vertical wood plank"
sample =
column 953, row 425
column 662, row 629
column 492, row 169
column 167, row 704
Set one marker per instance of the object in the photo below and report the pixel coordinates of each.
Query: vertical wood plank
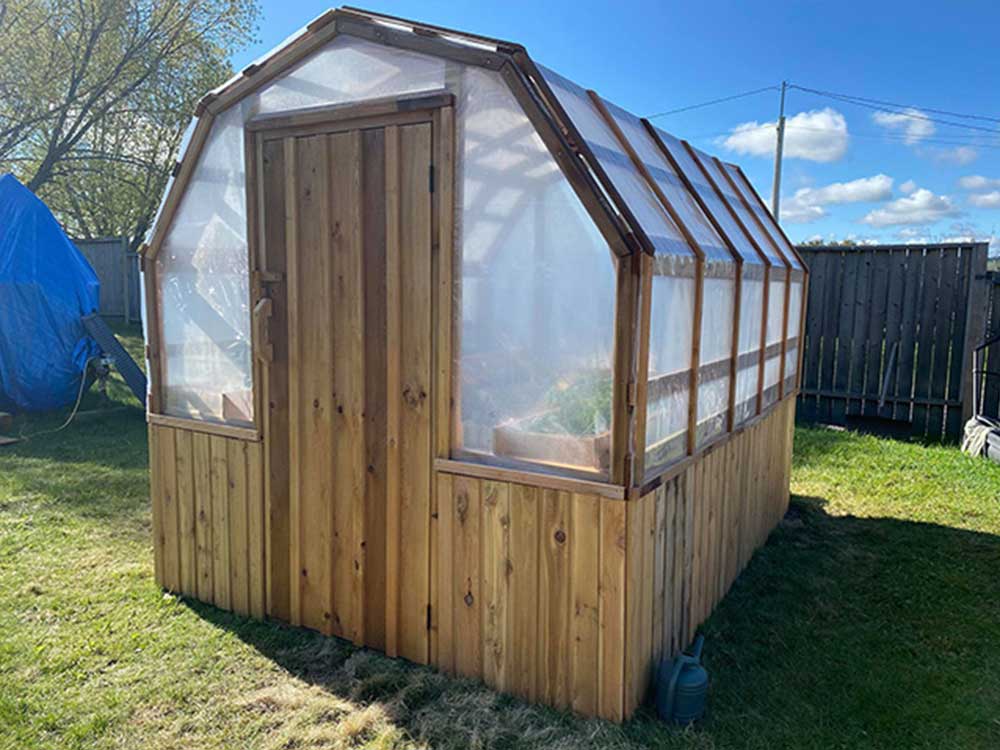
column 296, row 317
column 312, row 402
column 660, row 612
column 278, row 179
column 584, row 540
column 612, row 610
column 524, row 603
column 376, row 308
column 186, row 512
column 256, row 576
column 902, row 387
column 347, row 502
column 496, row 613
column 219, row 479
column 416, row 404
column 446, row 603
column 467, row 577
column 393, row 327
column 239, row 559
column 202, row 481
column 156, row 503
column 925, row 337
column 553, row 596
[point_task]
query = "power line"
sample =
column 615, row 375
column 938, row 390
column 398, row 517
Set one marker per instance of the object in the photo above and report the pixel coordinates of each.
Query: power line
column 713, row 101
column 859, row 102
column 884, row 103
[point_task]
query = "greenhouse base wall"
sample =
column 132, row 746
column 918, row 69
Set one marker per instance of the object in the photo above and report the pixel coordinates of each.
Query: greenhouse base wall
column 550, row 590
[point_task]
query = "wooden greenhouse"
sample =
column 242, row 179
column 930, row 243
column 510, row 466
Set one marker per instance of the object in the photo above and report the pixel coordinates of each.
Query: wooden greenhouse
column 457, row 360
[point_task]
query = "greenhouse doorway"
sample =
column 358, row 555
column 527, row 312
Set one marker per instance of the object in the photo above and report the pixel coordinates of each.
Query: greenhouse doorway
column 346, row 310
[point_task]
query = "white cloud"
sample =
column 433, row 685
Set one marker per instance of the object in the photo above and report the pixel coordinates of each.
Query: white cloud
column 977, row 182
column 960, row 155
column 818, row 135
column 914, row 124
column 807, row 203
column 920, row 207
column 986, row 200
column 908, row 187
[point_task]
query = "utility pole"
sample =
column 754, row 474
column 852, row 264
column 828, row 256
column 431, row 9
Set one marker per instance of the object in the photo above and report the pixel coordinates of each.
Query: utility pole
column 778, row 148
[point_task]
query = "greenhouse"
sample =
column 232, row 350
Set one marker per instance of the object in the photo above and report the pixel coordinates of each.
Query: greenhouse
column 458, row 360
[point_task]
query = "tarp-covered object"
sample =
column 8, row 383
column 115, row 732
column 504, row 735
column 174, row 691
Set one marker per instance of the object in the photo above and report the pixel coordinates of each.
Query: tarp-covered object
column 46, row 286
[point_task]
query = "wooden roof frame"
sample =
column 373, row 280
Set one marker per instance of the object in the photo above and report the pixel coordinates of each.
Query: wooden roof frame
column 581, row 169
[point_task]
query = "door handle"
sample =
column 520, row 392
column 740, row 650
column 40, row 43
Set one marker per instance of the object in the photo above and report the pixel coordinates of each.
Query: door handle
column 261, row 318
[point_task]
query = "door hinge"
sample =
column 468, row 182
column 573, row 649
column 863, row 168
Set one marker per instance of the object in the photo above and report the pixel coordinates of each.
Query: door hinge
column 430, row 175
column 428, row 616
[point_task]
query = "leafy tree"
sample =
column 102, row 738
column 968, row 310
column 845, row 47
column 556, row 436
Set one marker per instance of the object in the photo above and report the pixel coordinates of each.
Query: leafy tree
column 95, row 95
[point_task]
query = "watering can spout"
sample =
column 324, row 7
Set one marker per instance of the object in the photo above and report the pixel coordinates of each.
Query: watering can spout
column 682, row 686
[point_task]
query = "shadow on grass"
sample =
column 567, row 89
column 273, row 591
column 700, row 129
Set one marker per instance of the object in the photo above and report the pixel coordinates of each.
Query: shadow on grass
column 95, row 467
column 842, row 632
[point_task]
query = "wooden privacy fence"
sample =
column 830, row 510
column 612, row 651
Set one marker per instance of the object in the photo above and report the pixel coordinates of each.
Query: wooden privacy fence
column 990, row 394
column 117, row 267
column 889, row 335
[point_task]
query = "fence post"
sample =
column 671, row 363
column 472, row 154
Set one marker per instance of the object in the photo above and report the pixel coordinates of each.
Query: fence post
column 975, row 323
column 126, row 278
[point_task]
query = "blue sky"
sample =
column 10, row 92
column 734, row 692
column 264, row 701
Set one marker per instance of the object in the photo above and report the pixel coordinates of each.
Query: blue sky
column 849, row 171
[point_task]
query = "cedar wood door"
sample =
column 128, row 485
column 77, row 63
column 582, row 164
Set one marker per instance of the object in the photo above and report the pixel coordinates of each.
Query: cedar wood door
column 346, row 222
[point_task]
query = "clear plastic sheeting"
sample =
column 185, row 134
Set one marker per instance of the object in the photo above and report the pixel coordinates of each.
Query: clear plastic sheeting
column 746, row 216
column 349, row 69
column 671, row 325
column 792, row 332
column 715, row 205
column 775, row 332
column 716, row 351
column 537, row 295
column 764, row 216
column 669, row 183
column 203, row 276
column 627, row 180
column 751, row 323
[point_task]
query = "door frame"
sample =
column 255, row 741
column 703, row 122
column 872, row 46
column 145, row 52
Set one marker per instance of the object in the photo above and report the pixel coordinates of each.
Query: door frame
column 437, row 108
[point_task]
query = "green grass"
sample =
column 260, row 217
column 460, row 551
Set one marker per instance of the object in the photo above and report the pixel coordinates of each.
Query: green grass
column 871, row 619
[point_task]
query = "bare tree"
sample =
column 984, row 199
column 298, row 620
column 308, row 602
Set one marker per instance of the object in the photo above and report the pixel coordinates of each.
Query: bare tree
column 94, row 95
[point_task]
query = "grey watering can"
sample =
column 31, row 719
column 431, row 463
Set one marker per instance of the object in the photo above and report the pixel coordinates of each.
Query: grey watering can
column 682, row 687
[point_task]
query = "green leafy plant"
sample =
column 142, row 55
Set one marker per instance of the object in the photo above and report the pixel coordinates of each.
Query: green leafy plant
column 581, row 406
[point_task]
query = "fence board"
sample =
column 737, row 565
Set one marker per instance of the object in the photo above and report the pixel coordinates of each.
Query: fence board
column 889, row 333
column 117, row 269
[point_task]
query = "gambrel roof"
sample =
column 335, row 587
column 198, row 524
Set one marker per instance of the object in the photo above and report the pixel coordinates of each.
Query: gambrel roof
column 646, row 190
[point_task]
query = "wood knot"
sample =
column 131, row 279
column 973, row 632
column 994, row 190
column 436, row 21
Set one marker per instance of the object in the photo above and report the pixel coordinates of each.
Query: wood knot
column 560, row 536
column 468, row 599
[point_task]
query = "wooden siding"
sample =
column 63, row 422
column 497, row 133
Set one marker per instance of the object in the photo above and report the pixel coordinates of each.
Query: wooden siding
column 690, row 538
column 530, row 592
column 208, row 517
column 561, row 597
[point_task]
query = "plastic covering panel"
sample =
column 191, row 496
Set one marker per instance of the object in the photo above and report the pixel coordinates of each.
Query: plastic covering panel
column 537, row 294
column 751, row 321
column 745, row 215
column 663, row 172
column 669, row 374
column 716, row 353
column 716, row 207
column 765, row 216
column 204, row 287
column 203, row 267
column 792, row 331
column 644, row 204
column 775, row 333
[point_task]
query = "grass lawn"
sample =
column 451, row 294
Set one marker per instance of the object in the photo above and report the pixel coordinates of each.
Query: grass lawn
column 871, row 619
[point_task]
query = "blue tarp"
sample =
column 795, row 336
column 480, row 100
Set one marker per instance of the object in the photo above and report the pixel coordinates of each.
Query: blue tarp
column 46, row 286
